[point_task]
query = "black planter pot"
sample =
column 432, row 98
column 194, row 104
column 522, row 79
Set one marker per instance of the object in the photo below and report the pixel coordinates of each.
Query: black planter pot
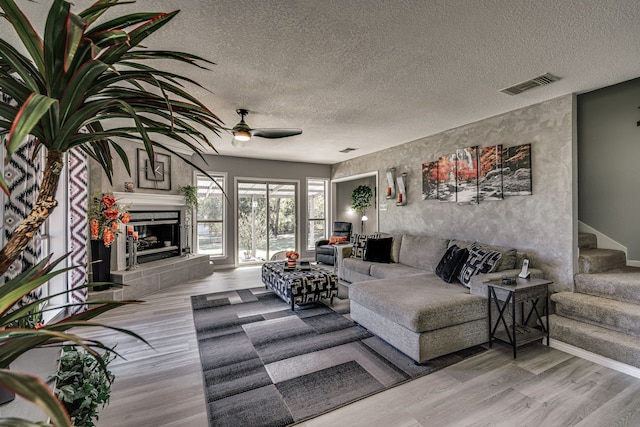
column 6, row 396
column 101, row 267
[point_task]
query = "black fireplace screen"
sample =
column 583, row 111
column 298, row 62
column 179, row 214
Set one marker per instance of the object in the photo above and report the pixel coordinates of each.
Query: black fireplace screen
column 158, row 234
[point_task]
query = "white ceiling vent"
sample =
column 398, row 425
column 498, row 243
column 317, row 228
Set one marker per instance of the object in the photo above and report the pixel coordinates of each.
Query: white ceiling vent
column 348, row 150
column 542, row 80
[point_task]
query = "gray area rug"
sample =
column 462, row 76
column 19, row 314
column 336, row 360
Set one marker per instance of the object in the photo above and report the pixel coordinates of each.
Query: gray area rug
column 264, row 365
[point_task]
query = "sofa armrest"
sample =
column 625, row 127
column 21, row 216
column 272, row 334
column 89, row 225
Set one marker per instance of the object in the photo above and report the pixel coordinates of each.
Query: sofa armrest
column 478, row 287
column 322, row 242
column 342, row 251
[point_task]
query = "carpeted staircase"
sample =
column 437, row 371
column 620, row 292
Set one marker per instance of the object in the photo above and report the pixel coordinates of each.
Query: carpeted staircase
column 602, row 315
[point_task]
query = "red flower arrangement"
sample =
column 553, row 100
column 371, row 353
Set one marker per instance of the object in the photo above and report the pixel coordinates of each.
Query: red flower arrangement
column 105, row 217
column 292, row 255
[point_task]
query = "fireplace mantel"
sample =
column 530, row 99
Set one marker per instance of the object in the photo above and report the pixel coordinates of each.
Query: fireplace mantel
column 135, row 199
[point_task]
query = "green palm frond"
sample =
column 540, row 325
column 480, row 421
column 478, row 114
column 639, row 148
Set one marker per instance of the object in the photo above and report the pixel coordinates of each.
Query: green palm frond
column 84, row 73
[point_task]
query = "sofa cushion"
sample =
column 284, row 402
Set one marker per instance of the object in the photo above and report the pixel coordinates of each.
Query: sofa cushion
column 389, row 271
column 508, row 258
column 357, row 265
column 424, row 303
column 451, row 263
column 359, row 242
column 422, row 252
column 378, row 250
column 480, row 260
column 395, row 247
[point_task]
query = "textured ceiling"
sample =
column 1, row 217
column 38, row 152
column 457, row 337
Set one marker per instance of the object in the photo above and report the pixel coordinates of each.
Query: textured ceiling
column 372, row 74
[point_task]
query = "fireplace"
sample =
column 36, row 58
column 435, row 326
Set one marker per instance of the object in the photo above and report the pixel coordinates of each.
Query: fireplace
column 158, row 234
column 159, row 221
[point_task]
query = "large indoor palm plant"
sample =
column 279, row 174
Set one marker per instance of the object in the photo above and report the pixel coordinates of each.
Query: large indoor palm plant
column 84, row 84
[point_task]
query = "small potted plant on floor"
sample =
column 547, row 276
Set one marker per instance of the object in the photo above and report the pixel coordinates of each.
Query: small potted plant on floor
column 83, row 384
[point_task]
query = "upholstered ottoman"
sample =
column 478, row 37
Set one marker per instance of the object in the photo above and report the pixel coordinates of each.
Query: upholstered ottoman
column 299, row 286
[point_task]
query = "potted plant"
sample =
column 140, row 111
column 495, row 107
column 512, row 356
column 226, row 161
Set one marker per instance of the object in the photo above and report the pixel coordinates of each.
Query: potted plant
column 190, row 194
column 82, row 84
column 361, row 198
column 105, row 217
column 361, row 201
column 82, row 383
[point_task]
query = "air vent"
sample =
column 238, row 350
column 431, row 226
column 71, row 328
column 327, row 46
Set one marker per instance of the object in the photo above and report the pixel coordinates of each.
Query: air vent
column 348, row 150
column 542, row 80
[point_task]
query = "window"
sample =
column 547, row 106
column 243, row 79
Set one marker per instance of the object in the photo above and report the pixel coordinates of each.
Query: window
column 316, row 211
column 211, row 215
column 267, row 226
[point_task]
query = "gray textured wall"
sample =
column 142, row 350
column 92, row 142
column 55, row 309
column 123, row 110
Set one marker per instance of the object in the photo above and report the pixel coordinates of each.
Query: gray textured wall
column 608, row 153
column 263, row 169
column 542, row 225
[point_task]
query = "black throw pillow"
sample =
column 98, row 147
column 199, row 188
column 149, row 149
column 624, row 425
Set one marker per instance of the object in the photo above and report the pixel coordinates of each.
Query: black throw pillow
column 451, row 263
column 378, row 250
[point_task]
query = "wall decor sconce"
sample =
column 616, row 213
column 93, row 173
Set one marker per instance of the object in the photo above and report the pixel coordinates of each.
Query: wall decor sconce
column 391, row 181
column 402, row 192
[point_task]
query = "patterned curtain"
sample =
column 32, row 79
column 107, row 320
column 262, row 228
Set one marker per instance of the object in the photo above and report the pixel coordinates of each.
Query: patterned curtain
column 23, row 176
column 78, row 205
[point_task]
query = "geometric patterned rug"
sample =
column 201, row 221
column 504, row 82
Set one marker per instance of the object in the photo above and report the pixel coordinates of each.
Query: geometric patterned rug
column 264, row 365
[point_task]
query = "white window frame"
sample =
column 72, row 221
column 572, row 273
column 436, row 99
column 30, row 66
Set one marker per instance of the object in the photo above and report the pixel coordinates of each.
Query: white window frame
column 225, row 180
column 311, row 245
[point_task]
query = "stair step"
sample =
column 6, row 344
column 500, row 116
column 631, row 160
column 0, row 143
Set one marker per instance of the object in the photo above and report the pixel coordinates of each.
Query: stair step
column 587, row 241
column 600, row 260
column 622, row 284
column 598, row 340
column 618, row 316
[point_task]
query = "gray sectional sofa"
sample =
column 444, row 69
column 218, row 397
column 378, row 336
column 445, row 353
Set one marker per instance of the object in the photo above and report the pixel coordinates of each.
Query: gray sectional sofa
column 406, row 304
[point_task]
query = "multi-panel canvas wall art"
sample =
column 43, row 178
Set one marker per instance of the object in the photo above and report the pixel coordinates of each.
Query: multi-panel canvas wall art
column 447, row 178
column 467, row 175
column 430, row 181
column 490, row 181
column 516, row 170
column 473, row 174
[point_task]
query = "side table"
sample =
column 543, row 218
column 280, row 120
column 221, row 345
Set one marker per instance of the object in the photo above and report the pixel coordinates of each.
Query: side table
column 337, row 248
column 522, row 291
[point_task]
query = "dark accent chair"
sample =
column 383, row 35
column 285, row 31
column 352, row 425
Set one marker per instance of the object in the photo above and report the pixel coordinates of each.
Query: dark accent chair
column 324, row 251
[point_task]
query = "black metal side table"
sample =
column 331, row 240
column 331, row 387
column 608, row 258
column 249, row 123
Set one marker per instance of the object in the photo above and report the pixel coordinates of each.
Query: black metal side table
column 521, row 291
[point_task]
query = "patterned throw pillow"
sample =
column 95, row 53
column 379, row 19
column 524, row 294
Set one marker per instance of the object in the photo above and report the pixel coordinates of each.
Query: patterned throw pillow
column 337, row 239
column 360, row 243
column 479, row 261
column 451, row 263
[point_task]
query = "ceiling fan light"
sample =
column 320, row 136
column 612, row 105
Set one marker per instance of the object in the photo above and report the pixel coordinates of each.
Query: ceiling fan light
column 241, row 135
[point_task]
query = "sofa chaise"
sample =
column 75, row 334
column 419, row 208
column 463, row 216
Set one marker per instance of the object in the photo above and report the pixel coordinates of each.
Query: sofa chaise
column 404, row 301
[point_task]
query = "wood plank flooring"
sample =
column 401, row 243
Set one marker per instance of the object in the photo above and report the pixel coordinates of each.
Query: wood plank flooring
column 162, row 386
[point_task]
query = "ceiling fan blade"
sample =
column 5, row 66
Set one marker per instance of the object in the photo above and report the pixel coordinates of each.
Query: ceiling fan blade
column 275, row 133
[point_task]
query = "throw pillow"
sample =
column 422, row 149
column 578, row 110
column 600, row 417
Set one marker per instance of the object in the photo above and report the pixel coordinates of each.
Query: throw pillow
column 337, row 239
column 479, row 261
column 359, row 242
column 451, row 263
column 378, row 250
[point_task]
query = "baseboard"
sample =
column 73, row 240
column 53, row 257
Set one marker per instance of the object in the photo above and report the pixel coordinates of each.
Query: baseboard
column 596, row 358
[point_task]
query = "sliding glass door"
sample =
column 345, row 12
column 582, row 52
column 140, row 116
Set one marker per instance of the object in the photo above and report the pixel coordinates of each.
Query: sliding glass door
column 266, row 220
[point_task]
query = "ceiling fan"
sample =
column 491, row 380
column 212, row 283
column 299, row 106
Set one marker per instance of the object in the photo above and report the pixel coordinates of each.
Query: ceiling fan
column 243, row 133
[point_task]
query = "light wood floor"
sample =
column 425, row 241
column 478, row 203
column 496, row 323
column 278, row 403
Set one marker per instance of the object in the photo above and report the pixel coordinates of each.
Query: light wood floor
column 163, row 386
